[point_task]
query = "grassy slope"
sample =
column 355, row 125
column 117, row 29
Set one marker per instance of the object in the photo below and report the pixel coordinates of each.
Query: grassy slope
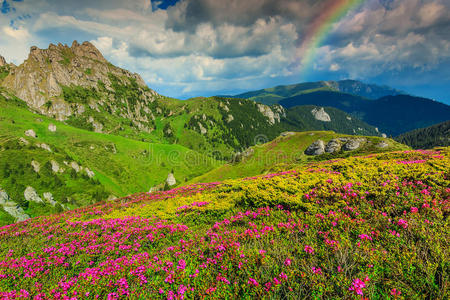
column 424, row 138
column 373, row 226
column 135, row 167
column 286, row 152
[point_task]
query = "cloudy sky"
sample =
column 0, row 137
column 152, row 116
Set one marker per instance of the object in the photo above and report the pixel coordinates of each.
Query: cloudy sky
column 185, row 48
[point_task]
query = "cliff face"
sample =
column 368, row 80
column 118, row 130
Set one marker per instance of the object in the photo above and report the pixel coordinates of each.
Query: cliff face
column 41, row 79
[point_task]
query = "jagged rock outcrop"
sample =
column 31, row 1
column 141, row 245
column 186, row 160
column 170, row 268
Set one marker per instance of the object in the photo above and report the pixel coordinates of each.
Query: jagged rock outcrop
column 4, row 197
column 316, row 148
column 40, row 79
column 274, row 115
column 321, row 115
column 2, row 61
column 12, row 208
column 30, row 194
column 171, row 181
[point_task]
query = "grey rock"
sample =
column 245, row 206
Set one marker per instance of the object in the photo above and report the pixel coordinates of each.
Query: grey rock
column 353, row 144
column 16, row 211
column 45, row 147
column 230, row 118
column 36, row 166
column 171, row 180
column 30, row 194
column 4, row 197
column 49, row 197
column 52, row 127
column 265, row 110
column 321, row 115
column 383, row 135
column 24, row 141
column 316, row 148
column 333, row 146
column 89, row 173
column 203, row 130
column 30, row 133
column 2, row 61
column 75, row 166
column 55, row 167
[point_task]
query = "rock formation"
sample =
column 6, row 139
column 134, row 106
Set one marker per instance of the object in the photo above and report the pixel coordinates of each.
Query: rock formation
column 321, row 115
column 333, row 146
column 316, row 148
column 2, row 61
column 30, row 194
column 31, row 133
column 171, row 179
column 40, row 79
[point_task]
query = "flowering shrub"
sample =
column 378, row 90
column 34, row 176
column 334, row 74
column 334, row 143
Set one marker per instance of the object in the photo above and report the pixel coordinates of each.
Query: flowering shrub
column 360, row 227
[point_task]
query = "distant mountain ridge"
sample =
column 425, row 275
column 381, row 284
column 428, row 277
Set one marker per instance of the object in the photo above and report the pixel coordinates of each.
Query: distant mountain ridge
column 354, row 87
column 391, row 114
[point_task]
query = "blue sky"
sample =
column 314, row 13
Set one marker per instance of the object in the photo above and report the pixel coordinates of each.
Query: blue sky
column 186, row 48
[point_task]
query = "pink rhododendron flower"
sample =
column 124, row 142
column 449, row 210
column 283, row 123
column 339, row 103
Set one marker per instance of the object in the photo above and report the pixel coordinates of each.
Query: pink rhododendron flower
column 309, row 249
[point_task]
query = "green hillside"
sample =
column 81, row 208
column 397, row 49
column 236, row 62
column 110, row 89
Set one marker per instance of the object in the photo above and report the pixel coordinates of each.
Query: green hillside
column 121, row 165
column 426, row 138
column 287, row 151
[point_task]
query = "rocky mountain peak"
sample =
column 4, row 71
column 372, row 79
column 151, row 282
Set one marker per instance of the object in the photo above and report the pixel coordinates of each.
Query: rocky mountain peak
column 41, row 79
column 87, row 49
column 2, row 61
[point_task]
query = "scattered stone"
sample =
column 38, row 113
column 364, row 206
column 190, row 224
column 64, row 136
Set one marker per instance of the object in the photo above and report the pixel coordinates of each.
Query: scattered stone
column 316, row 148
column 55, row 167
column 36, row 166
column 75, row 166
column 31, row 133
column 30, row 194
column 202, row 129
column 89, row 173
column 52, row 127
column 321, row 115
column 171, row 180
column 49, row 197
column 383, row 135
column 45, row 147
column 349, row 118
column 333, row 146
column 230, row 118
column 24, row 141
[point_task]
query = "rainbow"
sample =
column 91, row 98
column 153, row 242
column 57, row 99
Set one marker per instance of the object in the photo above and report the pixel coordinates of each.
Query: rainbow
column 321, row 27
